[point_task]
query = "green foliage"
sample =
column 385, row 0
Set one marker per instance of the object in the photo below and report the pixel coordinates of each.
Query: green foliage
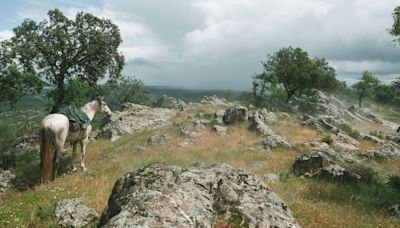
column 77, row 93
column 8, row 134
column 395, row 29
column 61, row 49
column 126, row 90
column 327, row 139
column 368, row 174
column 366, row 87
column 394, row 182
column 290, row 71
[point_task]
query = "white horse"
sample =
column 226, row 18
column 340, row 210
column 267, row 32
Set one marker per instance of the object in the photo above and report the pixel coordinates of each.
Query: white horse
column 55, row 131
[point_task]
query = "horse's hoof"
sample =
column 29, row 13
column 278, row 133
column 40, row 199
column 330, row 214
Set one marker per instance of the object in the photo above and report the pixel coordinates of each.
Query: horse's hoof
column 74, row 170
column 84, row 169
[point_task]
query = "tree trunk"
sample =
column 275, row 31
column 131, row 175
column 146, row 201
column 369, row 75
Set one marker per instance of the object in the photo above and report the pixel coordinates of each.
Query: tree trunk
column 59, row 96
column 359, row 101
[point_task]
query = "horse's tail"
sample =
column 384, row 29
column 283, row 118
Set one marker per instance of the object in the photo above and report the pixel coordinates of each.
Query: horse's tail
column 47, row 148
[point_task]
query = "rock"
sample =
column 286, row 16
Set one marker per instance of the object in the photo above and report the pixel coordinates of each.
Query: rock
column 275, row 141
column 6, row 178
column 72, row 213
column 155, row 139
column 235, row 115
column 170, row 102
column 214, row 100
column 162, row 195
column 255, row 165
column 391, row 150
column 336, row 173
column 321, row 166
column 200, row 123
column 219, row 115
column 310, row 163
column 187, row 133
column 344, row 142
column 394, row 210
column 373, row 154
column 259, row 127
column 265, row 116
column 270, row 177
column 372, row 138
column 185, row 143
column 221, row 130
column 135, row 118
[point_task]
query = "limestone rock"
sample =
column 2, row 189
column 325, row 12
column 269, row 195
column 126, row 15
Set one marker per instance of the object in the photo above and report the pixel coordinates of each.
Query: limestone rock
column 72, row 213
column 275, row 141
column 221, row 130
column 214, row 100
column 219, row 115
column 259, row 127
column 336, row 173
column 235, row 115
column 171, row 102
column 162, row 195
column 135, row 118
column 155, row 139
column 309, row 163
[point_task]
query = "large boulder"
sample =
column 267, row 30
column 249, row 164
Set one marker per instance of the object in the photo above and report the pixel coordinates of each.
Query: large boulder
column 72, row 213
column 320, row 166
column 135, row 118
column 235, row 114
column 214, row 100
column 265, row 116
column 162, row 195
column 170, row 102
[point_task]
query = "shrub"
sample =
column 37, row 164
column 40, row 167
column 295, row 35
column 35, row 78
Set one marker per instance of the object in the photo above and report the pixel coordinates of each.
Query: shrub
column 378, row 134
column 394, row 182
column 327, row 139
column 368, row 174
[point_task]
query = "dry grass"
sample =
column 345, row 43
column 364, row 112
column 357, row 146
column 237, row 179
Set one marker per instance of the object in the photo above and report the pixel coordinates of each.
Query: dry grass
column 321, row 205
column 295, row 132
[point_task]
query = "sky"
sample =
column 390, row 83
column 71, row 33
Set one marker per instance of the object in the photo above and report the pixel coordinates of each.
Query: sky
column 220, row 44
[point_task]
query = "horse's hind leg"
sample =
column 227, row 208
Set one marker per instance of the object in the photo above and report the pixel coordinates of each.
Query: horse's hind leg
column 56, row 159
column 73, row 168
column 83, row 143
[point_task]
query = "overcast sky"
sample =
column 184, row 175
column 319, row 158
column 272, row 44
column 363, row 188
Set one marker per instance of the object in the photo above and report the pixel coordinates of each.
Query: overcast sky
column 219, row 44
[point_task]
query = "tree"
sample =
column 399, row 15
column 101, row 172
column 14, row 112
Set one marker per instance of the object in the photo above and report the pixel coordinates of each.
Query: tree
column 15, row 83
column 395, row 29
column 126, row 90
column 292, row 68
column 323, row 76
column 60, row 49
column 365, row 87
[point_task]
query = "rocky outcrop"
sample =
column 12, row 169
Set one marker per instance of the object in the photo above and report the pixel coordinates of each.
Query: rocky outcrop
column 214, row 100
column 274, row 142
column 219, row 115
column 170, row 102
column 265, row 116
column 135, row 118
column 162, row 195
column 73, row 213
column 5, row 180
column 235, row 115
column 320, row 166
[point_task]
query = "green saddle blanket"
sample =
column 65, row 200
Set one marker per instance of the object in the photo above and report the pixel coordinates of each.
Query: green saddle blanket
column 75, row 114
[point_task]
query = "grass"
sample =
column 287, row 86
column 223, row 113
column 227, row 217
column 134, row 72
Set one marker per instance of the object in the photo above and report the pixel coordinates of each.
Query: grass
column 314, row 204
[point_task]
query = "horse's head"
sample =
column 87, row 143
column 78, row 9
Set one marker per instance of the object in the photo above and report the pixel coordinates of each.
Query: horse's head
column 103, row 107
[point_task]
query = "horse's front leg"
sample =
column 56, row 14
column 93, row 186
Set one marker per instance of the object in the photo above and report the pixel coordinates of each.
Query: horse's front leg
column 73, row 168
column 83, row 143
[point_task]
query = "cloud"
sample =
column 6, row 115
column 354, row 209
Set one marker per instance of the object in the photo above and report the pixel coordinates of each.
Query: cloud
column 6, row 34
column 219, row 44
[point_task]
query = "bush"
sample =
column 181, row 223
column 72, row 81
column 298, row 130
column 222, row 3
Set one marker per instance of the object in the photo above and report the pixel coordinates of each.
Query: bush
column 368, row 174
column 394, row 182
column 327, row 139
column 8, row 134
